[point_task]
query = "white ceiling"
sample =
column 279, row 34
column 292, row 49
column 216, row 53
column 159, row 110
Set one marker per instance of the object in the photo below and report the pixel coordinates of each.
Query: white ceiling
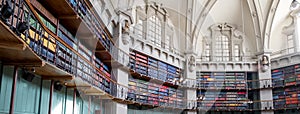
column 260, row 20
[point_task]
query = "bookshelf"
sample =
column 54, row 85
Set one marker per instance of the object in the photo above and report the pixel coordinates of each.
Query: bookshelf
column 228, row 81
column 61, row 51
column 286, row 92
column 150, row 93
column 222, row 90
column 152, row 68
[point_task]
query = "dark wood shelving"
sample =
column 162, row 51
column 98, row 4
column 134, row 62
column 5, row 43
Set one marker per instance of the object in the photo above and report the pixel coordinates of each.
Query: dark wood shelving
column 14, row 51
column 51, row 72
column 64, row 12
column 86, row 87
column 286, row 92
column 71, row 20
column 60, row 8
column 137, row 75
column 226, row 90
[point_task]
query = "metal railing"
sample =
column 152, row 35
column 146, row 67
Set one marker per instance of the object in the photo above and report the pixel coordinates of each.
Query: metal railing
column 54, row 50
column 249, row 84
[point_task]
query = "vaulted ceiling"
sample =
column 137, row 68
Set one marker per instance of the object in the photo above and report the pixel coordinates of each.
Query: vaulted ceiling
column 261, row 20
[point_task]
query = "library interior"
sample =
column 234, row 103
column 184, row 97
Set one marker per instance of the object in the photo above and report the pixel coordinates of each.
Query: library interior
column 149, row 57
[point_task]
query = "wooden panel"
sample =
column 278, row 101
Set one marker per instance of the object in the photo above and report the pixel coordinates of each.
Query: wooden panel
column 49, row 70
column 58, row 7
column 72, row 24
column 84, row 86
column 104, row 55
column 45, row 12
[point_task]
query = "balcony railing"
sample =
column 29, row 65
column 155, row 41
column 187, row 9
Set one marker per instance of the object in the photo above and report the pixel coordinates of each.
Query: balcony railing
column 54, row 49
column 282, row 52
column 226, row 59
column 58, row 52
column 249, row 84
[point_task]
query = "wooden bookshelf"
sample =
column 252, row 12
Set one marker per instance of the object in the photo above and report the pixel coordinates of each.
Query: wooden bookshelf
column 222, row 90
column 148, row 68
column 215, row 81
column 14, row 51
column 286, row 91
column 150, row 93
column 65, row 56
column 81, row 22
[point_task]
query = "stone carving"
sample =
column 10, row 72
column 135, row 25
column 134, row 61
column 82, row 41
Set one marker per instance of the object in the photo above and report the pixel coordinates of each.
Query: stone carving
column 125, row 32
column 264, row 63
column 239, row 34
column 192, row 63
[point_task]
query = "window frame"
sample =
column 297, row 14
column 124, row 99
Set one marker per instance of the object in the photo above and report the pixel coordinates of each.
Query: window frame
column 154, row 33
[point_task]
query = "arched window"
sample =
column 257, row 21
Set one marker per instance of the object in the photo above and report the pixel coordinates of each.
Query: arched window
column 222, row 48
column 224, row 44
column 154, row 31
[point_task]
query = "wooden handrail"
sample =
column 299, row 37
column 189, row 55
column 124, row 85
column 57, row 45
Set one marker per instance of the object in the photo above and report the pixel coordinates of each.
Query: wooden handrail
column 79, row 55
column 60, row 40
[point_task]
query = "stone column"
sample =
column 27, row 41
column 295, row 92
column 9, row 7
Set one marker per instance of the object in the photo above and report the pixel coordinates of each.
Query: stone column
column 296, row 32
column 295, row 25
column 264, row 75
column 189, row 81
column 120, row 52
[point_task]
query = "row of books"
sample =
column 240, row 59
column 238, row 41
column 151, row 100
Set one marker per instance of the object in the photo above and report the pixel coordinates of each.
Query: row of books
column 154, row 94
column 91, row 21
column 286, row 97
column 286, row 76
column 222, row 90
column 221, row 96
column 58, row 54
column 220, row 76
column 286, row 93
column 73, row 42
column 153, row 68
column 209, row 80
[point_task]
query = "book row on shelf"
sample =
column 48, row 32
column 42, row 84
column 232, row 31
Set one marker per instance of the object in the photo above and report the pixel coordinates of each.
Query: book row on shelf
column 61, row 50
column 75, row 57
column 286, row 97
column 154, row 94
column 286, row 76
column 228, row 80
column 287, row 91
column 153, row 68
column 66, row 60
column 222, row 90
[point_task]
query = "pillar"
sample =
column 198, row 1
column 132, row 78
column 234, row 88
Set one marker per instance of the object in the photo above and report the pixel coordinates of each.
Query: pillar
column 264, row 74
column 190, row 83
column 120, row 55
